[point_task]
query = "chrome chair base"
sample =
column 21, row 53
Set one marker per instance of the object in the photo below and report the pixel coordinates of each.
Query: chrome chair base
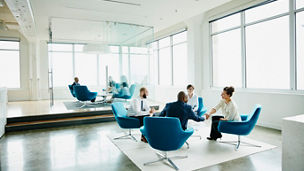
column 238, row 143
column 128, row 136
column 165, row 157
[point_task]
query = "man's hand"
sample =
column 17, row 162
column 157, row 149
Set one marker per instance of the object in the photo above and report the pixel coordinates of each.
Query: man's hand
column 223, row 119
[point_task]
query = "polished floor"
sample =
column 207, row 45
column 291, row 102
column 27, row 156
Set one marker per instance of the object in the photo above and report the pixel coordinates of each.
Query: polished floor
column 87, row 147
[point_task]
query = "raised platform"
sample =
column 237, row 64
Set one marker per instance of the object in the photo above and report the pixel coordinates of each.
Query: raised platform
column 27, row 115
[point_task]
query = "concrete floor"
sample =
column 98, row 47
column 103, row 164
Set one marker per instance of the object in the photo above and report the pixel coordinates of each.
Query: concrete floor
column 87, row 147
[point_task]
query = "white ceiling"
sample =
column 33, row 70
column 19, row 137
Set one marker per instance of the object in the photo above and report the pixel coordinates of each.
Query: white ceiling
column 157, row 13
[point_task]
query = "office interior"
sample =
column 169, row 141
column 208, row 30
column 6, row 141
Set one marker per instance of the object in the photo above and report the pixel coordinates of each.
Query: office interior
column 256, row 46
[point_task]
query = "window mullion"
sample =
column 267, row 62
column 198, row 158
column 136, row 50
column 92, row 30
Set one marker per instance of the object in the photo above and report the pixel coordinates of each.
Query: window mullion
column 292, row 46
column 243, row 48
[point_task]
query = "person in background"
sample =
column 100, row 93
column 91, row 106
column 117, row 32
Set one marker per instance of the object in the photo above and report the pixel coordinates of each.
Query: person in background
column 111, row 85
column 75, row 83
column 192, row 98
column 180, row 109
column 124, row 88
column 229, row 110
column 140, row 108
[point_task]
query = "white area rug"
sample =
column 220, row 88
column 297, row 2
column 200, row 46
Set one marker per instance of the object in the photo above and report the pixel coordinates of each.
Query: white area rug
column 202, row 153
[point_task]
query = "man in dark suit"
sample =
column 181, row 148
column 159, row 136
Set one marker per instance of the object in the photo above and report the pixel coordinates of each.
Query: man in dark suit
column 180, row 109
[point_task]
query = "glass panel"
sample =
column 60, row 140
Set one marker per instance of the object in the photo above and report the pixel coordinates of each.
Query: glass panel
column 154, row 68
column 9, row 69
column 227, row 59
column 9, row 45
column 164, row 42
column 78, row 48
column 300, row 50
column 125, row 49
column 267, row 53
column 299, row 4
column 180, row 68
column 267, row 10
column 60, row 47
column 139, row 69
column 86, row 68
column 62, row 68
column 139, row 50
column 114, row 49
column 226, row 23
column 165, row 67
column 112, row 61
column 180, row 37
column 125, row 64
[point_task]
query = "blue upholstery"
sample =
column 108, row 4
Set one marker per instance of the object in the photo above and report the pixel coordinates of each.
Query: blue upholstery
column 117, row 86
column 121, row 117
column 82, row 93
column 201, row 110
column 71, row 90
column 165, row 133
column 243, row 127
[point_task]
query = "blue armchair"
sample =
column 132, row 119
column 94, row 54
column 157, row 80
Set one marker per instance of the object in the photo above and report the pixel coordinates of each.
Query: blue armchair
column 165, row 134
column 71, row 90
column 201, row 110
column 83, row 94
column 243, row 127
column 123, row 120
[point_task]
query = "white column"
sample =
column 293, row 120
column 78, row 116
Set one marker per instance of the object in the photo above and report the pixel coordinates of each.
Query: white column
column 3, row 110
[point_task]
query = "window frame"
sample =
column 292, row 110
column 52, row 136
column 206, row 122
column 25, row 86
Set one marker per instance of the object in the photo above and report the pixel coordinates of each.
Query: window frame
column 19, row 58
column 292, row 54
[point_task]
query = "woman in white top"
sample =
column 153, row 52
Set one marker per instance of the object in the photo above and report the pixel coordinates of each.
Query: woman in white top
column 229, row 110
column 192, row 98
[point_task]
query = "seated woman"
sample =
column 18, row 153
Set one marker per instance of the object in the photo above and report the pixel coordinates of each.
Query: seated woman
column 192, row 98
column 123, row 90
column 229, row 110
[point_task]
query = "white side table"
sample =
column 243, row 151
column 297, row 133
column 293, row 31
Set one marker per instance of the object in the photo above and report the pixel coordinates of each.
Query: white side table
column 293, row 143
column 3, row 109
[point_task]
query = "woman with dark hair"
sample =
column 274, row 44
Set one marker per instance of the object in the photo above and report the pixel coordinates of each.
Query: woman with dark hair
column 192, row 98
column 229, row 110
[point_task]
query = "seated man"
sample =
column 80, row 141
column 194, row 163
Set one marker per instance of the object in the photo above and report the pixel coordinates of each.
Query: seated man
column 140, row 108
column 75, row 83
column 180, row 109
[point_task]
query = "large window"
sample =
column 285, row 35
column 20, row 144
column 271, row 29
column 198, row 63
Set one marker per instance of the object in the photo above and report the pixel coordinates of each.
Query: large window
column 227, row 59
column 254, row 49
column 267, row 54
column 10, row 64
column 69, row 60
column 170, row 60
column 180, row 60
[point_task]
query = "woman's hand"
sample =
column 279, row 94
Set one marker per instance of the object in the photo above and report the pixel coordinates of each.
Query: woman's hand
column 207, row 116
column 223, row 119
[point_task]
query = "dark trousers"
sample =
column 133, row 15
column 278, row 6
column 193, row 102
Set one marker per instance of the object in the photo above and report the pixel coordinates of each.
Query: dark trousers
column 140, row 118
column 214, row 131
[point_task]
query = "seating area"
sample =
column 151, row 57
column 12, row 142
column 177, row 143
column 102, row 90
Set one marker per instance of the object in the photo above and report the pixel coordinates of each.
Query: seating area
column 130, row 85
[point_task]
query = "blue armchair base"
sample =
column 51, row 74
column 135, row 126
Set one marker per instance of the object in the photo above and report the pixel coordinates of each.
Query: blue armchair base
column 238, row 143
column 128, row 136
column 165, row 157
